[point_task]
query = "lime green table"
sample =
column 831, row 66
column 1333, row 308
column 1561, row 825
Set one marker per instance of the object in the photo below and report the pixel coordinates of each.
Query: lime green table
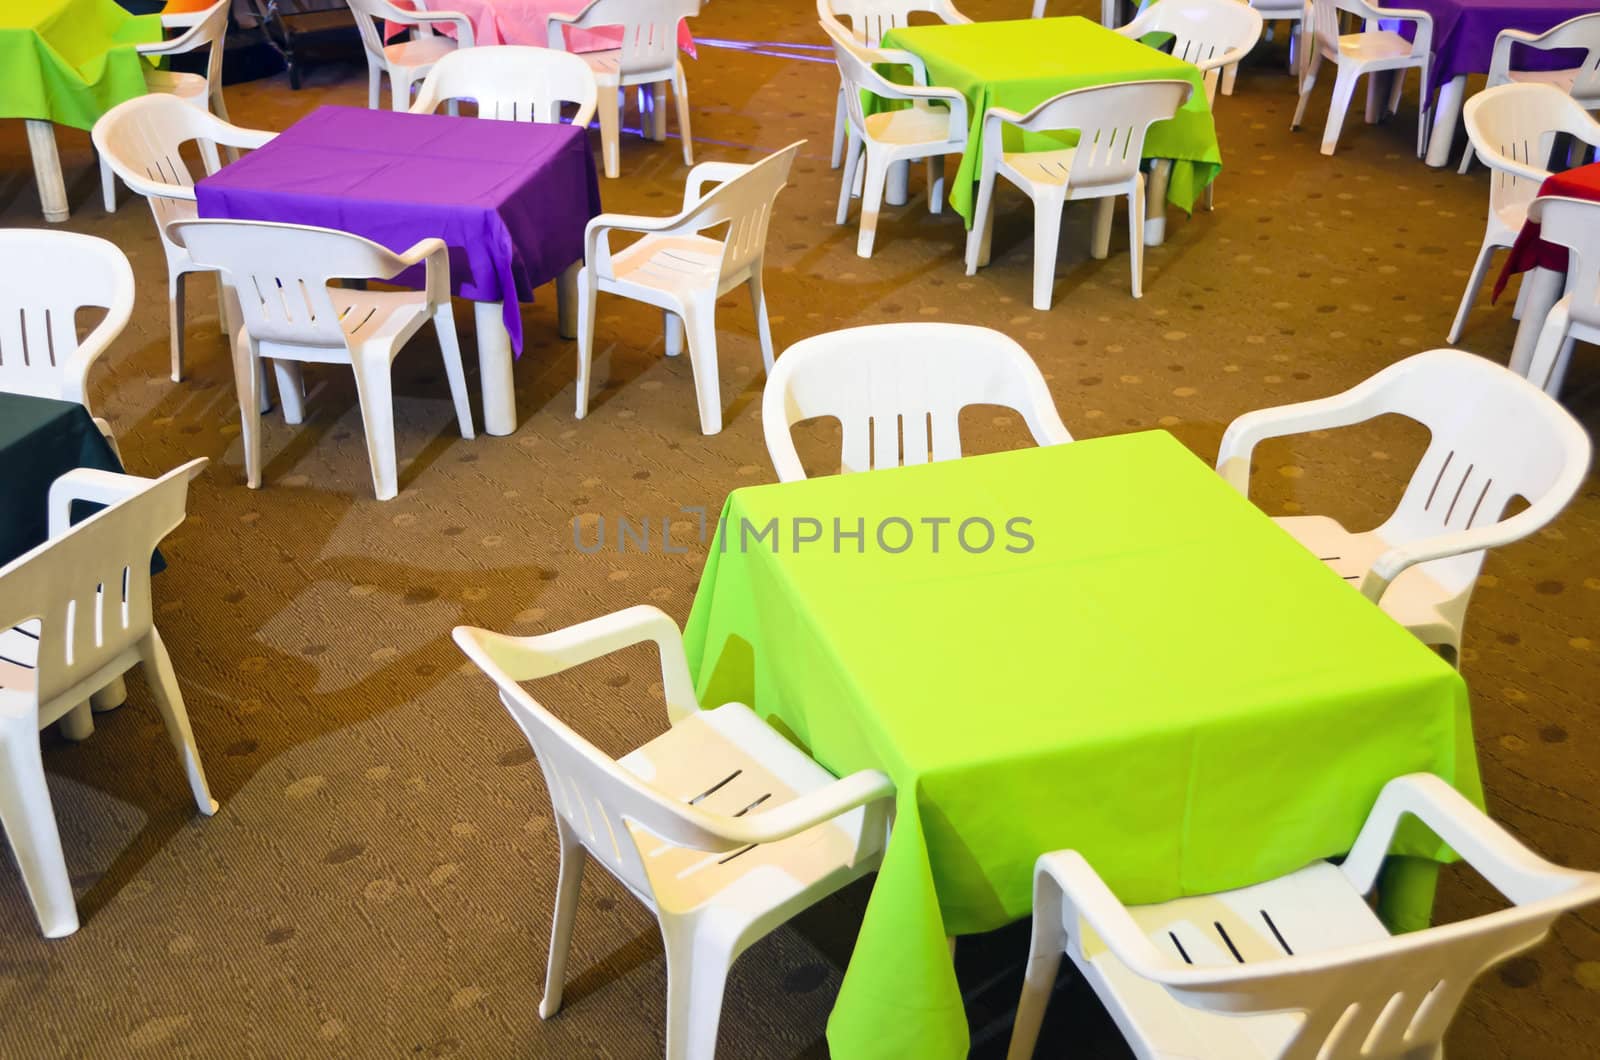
column 1102, row 647
column 1019, row 64
column 66, row 62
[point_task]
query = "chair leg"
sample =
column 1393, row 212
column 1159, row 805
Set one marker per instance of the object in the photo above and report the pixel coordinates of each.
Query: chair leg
column 680, row 102
column 697, row 974
column 291, row 390
column 854, row 149
column 30, row 825
column 1044, row 961
column 1136, row 234
column 838, row 130
column 444, row 326
column 108, row 186
column 77, row 724
column 1466, row 159
column 586, row 300
column 700, row 328
column 169, row 701
column 375, row 391
column 374, row 84
column 1546, row 363
column 1105, row 212
column 1229, row 76
column 1046, row 242
column 1344, row 89
column 1307, row 84
column 175, row 319
column 979, row 235
column 568, row 883
column 936, row 184
column 671, row 333
column 1479, row 269
column 247, row 380
column 871, row 201
column 758, row 302
column 1397, row 89
column 400, row 88
column 607, row 109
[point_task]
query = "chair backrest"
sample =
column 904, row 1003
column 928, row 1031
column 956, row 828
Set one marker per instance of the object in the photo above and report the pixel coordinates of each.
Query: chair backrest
column 869, row 20
column 897, row 391
column 1494, row 436
column 202, row 29
column 858, row 75
column 1203, row 30
column 370, row 16
column 744, row 203
column 1520, row 122
column 594, row 795
column 45, row 278
column 1325, row 28
column 281, row 273
column 1111, row 121
column 89, row 587
column 649, row 31
column 141, row 140
column 1581, row 32
column 512, row 82
column 1574, row 224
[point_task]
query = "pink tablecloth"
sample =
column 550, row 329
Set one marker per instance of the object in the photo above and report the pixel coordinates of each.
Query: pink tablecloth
column 525, row 22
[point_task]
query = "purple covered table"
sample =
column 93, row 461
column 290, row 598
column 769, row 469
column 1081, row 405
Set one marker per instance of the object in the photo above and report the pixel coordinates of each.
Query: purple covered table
column 510, row 199
column 1463, row 42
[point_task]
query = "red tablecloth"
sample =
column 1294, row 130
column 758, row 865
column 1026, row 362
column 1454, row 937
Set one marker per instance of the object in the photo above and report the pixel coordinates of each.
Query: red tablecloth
column 1532, row 252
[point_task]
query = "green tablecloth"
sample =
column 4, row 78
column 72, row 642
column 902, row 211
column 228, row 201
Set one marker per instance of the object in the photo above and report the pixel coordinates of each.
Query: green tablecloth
column 1164, row 680
column 70, row 61
column 1020, row 64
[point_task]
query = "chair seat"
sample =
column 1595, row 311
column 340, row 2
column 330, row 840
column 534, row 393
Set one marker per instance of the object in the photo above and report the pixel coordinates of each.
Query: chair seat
column 191, row 88
column 1414, row 599
column 913, row 125
column 607, row 67
column 729, row 761
column 1310, row 911
column 675, row 264
column 1375, row 46
column 1039, row 167
column 1562, row 79
column 415, row 54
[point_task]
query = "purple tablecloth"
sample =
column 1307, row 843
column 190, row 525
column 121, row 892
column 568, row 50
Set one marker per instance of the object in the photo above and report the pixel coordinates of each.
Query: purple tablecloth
column 511, row 199
column 1464, row 33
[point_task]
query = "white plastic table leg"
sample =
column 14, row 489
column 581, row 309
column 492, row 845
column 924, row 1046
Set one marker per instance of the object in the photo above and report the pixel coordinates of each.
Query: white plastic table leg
column 1155, row 202
column 112, row 696
column 1541, row 289
column 47, row 169
column 494, row 368
column 898, row 190
column 1446, row 115
column 567, row 300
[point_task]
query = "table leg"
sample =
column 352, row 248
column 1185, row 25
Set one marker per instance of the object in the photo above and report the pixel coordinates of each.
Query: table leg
column 1541, row 289
column 898, row 189
column 567, row 300
column 47, row 169
column 1155, row 202
column 1446, row 114
column 112, row 696
column 1406, row 888
column 1377, row 95
column 494, row 368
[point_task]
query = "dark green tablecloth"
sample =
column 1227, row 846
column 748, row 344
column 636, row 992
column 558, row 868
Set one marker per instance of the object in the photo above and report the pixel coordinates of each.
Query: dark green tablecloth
column 42, row 439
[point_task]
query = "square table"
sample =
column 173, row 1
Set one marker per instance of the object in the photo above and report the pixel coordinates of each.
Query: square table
column 1544, row 263
column 511, row 199
column 1020, row 63
column 1102, row 646
column 1463, row 43
column 67, row 62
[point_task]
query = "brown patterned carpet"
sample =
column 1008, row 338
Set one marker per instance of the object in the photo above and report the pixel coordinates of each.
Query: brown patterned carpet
column 379, row 879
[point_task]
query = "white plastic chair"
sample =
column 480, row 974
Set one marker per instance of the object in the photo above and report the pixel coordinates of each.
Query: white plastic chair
column 294, row 310
column 648, row 56
column 405, row 61
column 83, row 598
column 202, row 29
column 1289, row 12
column 897, row 391
column 1211, row 34
column 683, row 273
column 140, row 140
column 512, row 82
column 1574, row 224
column 1298, row 967
column 1581, row 82
column 868, row 21
column 1355, row 55
column 1494, row 436
column 46, row 276
column 1111, row 121
column 719, row 826
column 891, row 136
column 1513, row 128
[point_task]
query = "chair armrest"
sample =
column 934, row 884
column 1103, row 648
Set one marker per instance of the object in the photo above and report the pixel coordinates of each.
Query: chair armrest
column 948, row 96
column 91, row 485
column 1391, row 564
column 900, row 57
column 1245, row 433
column 436, row 255
column 946, row 10
column 1491, row 157
column 1512, row 869
column 994, row 121
column 463, row 25
column 1500, row 57
column 555, row 32
column 1063, row 880
column 530, row 658
column 818, row 807
column 596, row 235
column 710, row 173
